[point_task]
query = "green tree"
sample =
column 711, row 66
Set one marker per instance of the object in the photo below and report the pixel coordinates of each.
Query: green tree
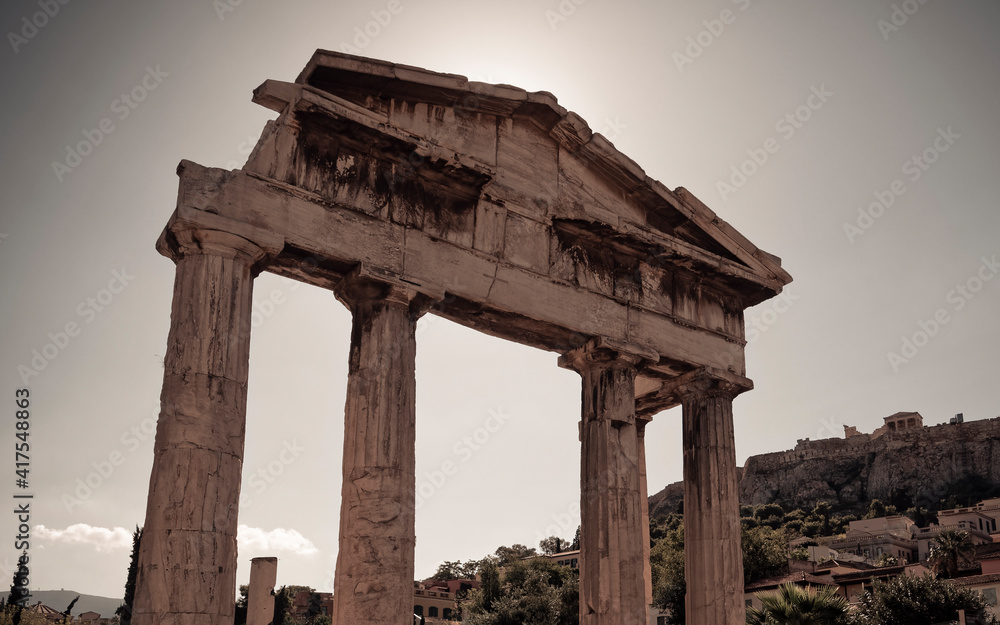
column 552, row 544
column 769, row 510
column 951, row 552
column 667, row 564
column 877, row 509
column 242, row 604
column 283, row 600
column 793, row 605
column 800, row 553
column 909, row 600
column 921, row 516
column 19, row 593
column 68, row 612
column 765, row 553
column 314, row 609
column 531, row 592
column 124, row 611
column 886, row 559
column 489, row 576
column 457, row 570
column 14, row 614
column 821, row 513
column 512, row 554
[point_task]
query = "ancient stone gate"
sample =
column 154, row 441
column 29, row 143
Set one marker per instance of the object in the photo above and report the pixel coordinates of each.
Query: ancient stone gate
column 404, row 192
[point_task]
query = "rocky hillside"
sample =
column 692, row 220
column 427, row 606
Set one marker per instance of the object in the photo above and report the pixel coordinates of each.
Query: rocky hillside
column 923, row 467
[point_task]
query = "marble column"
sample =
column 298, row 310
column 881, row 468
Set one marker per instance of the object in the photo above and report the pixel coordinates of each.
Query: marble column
column 373, row 583
column 260, row 596
column 641, row 423
column 612, row 556
column 187, row 556
column 713, row 558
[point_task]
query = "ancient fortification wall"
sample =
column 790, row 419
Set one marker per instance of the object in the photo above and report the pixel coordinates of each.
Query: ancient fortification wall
column 915, row 466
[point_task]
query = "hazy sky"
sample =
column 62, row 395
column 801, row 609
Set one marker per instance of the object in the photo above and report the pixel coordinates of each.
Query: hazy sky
column 785, row 116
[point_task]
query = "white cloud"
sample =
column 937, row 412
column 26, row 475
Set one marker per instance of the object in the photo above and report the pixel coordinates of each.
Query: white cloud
column 102, row 538
column 278, row 539
column 110, row 539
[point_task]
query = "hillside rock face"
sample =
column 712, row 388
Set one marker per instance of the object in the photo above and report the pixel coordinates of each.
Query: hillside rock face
column 909, row 467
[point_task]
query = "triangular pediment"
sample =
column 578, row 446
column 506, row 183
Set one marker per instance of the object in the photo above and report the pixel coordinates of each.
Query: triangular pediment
column 570, row 176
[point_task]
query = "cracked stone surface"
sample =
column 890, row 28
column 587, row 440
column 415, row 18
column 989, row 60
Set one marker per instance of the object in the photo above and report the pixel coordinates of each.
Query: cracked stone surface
column 405, row 191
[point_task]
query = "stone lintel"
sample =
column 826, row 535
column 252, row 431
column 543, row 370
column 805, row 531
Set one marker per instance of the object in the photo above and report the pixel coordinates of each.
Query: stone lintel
column 191, row 230
column 483, row 292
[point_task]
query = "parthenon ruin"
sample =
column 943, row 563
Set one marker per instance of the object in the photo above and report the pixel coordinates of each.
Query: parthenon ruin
column 406, row 192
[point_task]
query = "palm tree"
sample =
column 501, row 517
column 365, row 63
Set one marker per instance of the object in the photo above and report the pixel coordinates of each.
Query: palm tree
column 951, row 552
column 794, row 605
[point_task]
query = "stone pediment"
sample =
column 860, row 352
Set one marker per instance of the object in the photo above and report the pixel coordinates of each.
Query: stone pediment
column 472, row 150
column 406, row 192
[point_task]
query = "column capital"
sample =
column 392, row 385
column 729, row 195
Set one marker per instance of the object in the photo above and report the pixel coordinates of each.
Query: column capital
column 364, row 285
column 705, row 382
column 601, row 352
column 641, row 421
column 193, row 231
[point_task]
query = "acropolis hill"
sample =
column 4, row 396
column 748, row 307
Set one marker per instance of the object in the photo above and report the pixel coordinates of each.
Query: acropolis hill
column 903, row 462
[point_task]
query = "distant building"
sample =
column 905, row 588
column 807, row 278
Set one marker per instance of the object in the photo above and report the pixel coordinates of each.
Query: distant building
column 302, row 601
column 893, row 423
column 435, row 599
column 566, row 558
column 49, row 614
column 983, row 515
column 855, row 583
column 987, row 584
column 871, row 538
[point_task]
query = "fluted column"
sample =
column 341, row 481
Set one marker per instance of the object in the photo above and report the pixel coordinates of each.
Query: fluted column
column 187, row 557
column 713, row 558
column 647, row 573
column 373, row 584
column 612, row 556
